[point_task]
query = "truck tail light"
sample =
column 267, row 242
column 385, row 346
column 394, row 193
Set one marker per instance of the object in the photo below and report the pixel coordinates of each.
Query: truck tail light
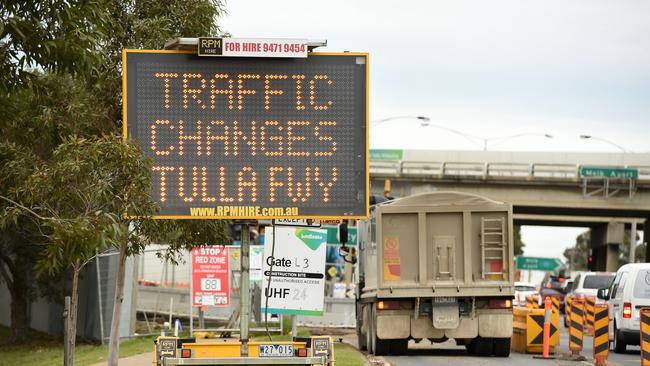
column 388, row 305
column 301, row 352
column 627, row 310
column 500, row 304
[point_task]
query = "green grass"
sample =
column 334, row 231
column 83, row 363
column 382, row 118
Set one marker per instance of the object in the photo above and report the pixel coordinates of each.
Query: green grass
column 346, row 355
column 45, row 350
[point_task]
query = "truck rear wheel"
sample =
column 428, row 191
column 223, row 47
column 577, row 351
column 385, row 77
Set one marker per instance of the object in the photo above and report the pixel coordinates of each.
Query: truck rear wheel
column 481, row 347
column 399, row 346
column 361, row 337
column 369, row 336
column 381, row 347
column 502, row 347
column 378, row 347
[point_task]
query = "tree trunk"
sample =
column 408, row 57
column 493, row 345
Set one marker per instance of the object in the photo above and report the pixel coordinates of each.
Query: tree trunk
column 72, row 315
column 18, row 313
column 114, row 342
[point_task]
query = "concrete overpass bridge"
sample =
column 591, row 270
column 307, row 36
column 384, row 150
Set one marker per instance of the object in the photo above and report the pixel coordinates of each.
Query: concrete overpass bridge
column 603, row 191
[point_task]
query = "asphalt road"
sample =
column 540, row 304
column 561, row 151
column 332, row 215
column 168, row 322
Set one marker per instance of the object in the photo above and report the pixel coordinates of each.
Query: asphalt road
column 448, row 353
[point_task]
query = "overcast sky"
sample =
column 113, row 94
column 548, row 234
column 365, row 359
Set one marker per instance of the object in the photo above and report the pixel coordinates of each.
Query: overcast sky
column 486, row 68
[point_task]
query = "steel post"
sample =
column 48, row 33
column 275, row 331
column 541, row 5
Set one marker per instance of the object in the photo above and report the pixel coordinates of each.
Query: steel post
column 191, row 296
column 66, row 333
column 99, row 298
column 244, row 290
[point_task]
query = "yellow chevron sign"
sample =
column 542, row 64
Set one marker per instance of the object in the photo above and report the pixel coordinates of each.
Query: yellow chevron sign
column 535, row 328
column 645, row 337
column 601, row 334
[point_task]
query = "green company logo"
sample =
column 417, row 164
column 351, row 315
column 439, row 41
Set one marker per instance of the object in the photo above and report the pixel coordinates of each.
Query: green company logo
column 313, row 239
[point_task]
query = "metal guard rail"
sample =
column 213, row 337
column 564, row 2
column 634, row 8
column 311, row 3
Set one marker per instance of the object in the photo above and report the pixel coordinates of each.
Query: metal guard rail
column 485, row 170
column 247, row 361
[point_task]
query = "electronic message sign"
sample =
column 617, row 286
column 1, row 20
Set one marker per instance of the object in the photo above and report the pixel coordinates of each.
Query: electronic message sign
column 251, row 137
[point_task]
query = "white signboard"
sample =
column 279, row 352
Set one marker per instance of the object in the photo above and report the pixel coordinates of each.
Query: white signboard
column 252, row 47
column 297, row 222
column 256, row 259
column 298, row 275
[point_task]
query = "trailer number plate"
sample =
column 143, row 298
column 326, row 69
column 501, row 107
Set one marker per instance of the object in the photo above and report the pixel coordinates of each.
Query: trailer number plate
column 444, row 300
column 276, row 350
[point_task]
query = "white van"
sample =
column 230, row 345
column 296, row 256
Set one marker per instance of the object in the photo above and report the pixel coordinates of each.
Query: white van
column 629, row 292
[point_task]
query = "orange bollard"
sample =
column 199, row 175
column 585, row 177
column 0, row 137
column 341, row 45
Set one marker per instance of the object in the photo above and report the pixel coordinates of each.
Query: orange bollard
column 547, row 326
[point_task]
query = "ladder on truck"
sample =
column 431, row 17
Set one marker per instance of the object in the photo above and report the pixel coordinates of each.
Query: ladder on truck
column 493, row 245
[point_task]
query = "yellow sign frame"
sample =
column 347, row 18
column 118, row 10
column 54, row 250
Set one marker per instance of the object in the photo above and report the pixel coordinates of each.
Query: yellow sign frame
column 125, row 138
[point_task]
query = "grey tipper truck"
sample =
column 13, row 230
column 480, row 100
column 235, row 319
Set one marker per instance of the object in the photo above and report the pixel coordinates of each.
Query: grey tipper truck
column 436, row 266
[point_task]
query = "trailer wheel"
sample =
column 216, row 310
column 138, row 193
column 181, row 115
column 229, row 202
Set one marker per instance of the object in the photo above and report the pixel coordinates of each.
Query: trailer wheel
column 502, row 347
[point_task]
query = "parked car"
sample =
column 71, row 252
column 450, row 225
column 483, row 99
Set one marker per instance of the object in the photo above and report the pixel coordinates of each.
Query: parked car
column 629, row 292
column 523, row 289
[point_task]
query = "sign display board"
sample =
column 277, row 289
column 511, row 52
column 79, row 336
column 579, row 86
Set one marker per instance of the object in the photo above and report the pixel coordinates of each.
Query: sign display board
column 251, row 138
column 603, row 172
column 298, row 276
column 538, row 264
column 252, row 47
column 210, row 276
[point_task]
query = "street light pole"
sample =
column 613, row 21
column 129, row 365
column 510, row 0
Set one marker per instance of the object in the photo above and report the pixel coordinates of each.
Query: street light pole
column 480, row 142
column 510, row 137
column 424, row 120
column 590, row 137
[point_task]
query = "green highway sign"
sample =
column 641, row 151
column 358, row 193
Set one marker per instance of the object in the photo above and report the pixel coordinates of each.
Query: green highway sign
column 386, row 155
column 333, row 235
column 604, row 172
column 538, row 263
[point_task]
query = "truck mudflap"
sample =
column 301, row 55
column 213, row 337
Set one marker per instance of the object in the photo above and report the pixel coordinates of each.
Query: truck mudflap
column 495, row 325
column 492, row 324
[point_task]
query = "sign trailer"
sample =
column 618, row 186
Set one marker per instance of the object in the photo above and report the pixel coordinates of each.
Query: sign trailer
column 260, row 129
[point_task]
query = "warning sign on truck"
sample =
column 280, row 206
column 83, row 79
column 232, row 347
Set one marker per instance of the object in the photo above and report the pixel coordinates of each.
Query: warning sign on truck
column 392, row 264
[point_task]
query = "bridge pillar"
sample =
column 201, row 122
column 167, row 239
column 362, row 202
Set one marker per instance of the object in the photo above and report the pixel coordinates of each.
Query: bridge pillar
column 605, row 243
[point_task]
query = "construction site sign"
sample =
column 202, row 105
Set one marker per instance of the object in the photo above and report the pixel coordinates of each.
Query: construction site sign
column 295, row 266
column 210, row 276
column 251, row 137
